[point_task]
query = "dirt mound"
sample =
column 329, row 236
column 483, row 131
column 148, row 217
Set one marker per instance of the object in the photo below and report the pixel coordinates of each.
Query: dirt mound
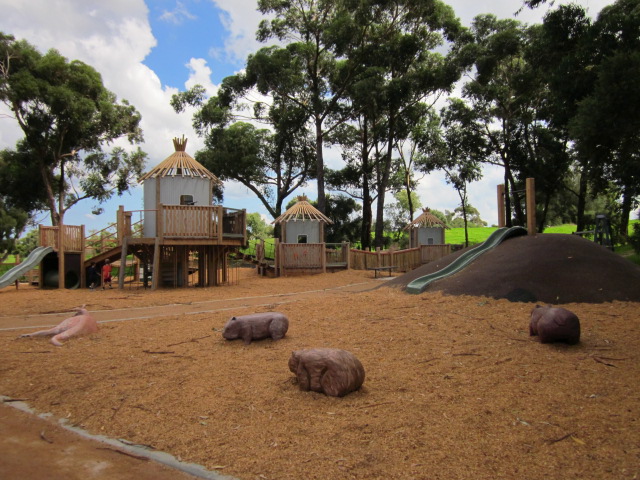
column 549, row 268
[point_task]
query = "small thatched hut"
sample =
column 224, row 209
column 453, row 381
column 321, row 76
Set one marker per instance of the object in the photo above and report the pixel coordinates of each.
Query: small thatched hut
column 178, row 180
column 427, row 229
column 302, row 223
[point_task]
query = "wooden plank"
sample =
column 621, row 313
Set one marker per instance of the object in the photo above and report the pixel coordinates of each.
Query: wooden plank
column 123, row 263
column 156, row 264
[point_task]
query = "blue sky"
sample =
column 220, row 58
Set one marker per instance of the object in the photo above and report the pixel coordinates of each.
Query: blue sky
column 149, row 50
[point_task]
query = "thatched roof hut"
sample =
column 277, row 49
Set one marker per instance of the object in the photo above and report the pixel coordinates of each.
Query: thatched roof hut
column 179, row 164
column 302, row 223
column 178, row 180
column 426, row 229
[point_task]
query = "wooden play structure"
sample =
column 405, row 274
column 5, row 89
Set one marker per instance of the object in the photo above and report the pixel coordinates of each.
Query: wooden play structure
column 427, row 229
column 181, row 237
column 303, row 249
column 530, row 202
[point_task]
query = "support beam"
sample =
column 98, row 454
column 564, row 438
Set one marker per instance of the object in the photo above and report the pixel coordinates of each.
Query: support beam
column 501, row 210
column 156, row 264
column 123, row 262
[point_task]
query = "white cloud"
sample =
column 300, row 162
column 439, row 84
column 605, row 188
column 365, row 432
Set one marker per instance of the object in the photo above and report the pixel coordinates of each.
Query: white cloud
column 200, row 74
column 178, row 15
column 241, row 19
column 114, row 37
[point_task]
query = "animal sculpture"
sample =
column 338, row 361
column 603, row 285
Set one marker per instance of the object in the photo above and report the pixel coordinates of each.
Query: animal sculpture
column 554, row 324
column 331, row 371
column 82, row 323
column 256, row 326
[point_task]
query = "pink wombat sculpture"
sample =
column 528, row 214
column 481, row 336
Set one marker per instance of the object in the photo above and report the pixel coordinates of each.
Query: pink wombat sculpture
column 330, row 371
column 256, row 327
column 554, row 324
column 82, row 323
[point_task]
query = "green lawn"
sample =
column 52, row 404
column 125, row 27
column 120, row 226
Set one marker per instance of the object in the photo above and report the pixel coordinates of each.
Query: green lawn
column 480, row 234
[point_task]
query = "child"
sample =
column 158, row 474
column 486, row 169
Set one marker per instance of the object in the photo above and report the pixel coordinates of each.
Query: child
column 94, row 278
column 106, row 274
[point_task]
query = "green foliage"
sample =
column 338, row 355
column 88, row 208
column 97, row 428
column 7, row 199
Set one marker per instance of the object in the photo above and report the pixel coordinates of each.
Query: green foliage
column 67, row 115
column 346, row 225
column 634, row 238
column 257, row 228
column 28, row 243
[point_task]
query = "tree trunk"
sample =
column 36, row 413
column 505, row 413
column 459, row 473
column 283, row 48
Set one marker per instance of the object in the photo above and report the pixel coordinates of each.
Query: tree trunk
column 507, row 197
column 582, row 201
column 384, row 182
column 365, row 233
column 542, row 218
column 320, row 166
column 625, row 213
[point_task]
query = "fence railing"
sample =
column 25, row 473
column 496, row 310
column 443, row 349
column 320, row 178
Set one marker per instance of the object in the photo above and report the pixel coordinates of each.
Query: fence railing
column 337, row 254
column 73, row 237
column 300, row 256
column 403, row 260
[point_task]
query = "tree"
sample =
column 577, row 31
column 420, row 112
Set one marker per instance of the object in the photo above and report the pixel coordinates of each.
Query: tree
column 398, row 216
column 21, row 194
column 504, row 97
column 310, row 70
column 67, row 116
column 257, row 228
column 26, row 244
column 342, row 211
column 607, row 122
column 457, row 151
column 401, row 56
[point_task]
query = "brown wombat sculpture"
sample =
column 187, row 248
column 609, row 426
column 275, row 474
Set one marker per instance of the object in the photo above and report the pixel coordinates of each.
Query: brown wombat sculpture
column 330, row 371
column 554, row 324
column 256, row 327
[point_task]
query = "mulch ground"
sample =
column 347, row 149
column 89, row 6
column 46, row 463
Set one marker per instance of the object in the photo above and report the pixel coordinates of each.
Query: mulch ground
column 455, row 387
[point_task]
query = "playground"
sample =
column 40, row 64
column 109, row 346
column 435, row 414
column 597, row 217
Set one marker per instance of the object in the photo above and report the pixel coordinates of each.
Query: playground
column 455, row 387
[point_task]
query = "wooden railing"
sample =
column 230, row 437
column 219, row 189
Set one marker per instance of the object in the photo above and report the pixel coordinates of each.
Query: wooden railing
column 403, row 260
column 300, row 256
column 337, row 254
column 73, row 240
column 189, row 221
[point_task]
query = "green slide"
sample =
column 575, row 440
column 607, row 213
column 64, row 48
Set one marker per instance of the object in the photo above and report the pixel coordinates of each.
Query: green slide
column 32, row 261
column 501, row 234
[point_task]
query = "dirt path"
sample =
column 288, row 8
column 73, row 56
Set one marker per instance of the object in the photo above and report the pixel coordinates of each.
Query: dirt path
column 42, row 320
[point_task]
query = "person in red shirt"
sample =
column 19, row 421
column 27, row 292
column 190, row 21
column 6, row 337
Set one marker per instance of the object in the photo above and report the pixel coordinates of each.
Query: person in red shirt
column 106, row 274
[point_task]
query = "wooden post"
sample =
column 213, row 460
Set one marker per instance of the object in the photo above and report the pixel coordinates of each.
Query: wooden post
column 120, row 224
column 220, row 223
column 277, row 254
column 156, row 265
column 211, row 267
column 531, row 205
column 123, row 262
column 160, row 222
column 60, row 254
column 323, row 257
column 244, row 227
column 501, row 213
column 83, row 247
column 347, row 252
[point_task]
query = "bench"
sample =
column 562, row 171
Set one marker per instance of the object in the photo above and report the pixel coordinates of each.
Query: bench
column 380, row 269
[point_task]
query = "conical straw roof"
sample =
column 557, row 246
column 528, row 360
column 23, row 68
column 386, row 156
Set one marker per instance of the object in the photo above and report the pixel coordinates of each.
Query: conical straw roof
column 179, row 164
column 426, row 219
column 302, row 210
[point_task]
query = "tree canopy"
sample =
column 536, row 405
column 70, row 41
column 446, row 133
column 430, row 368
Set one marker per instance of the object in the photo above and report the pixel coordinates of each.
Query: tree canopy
column 67, row 117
